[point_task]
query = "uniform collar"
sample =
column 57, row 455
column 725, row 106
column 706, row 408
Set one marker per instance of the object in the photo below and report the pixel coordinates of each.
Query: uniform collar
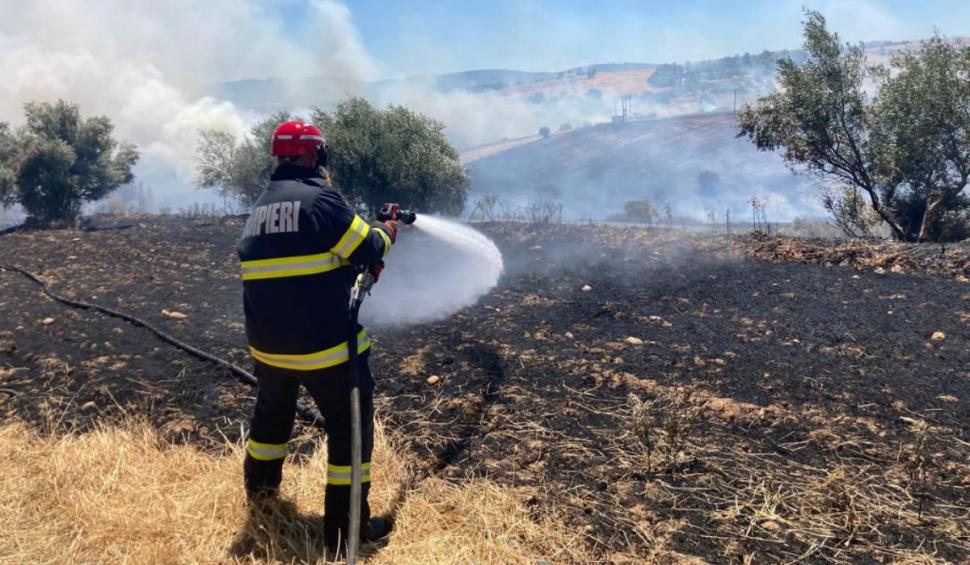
column 289, row 171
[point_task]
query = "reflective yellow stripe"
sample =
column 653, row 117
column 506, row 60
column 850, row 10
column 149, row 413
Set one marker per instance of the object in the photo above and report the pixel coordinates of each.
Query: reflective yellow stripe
column 331, row 357
column 266, row 451
column 347, row 481
column 347, row 468
column 291, row 266
column 387, row 241
column 340, row 475
column 352, row 238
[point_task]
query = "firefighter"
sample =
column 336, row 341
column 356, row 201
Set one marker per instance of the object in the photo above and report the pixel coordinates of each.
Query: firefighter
column 299, row 250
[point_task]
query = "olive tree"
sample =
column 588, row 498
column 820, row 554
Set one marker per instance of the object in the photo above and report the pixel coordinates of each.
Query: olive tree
column 376, row 156
column 8, row 174
column 392, row 155
column 640, row 211
column 238, row 168
column 57, row 160
column 921, row 139
column 904, row 149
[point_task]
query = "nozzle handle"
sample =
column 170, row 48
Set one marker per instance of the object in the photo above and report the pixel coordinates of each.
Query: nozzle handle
column 392, row 211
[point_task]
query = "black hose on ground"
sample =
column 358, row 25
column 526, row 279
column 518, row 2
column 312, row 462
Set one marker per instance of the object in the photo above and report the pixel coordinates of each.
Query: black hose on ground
column 108, row 228
column 308, row 414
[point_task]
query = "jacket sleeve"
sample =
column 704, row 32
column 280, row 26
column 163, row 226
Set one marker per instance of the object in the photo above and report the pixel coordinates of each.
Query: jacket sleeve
column 348, row 235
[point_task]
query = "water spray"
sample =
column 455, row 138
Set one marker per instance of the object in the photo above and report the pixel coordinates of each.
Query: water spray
column 440, row 267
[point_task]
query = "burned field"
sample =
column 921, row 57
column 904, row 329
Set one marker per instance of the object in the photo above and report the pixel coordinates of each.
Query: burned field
column 667, row 397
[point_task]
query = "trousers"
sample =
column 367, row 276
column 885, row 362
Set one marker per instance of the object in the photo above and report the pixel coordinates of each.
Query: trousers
column 272, row 424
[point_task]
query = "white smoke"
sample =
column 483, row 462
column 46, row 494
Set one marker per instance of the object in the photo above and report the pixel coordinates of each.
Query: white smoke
column 478, row 118
column 145, row 64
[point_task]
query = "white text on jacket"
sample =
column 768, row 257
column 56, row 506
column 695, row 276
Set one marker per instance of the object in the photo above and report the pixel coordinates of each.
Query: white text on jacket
column 278, row 217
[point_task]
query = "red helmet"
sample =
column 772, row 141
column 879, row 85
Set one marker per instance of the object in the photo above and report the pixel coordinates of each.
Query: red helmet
column 294, row 139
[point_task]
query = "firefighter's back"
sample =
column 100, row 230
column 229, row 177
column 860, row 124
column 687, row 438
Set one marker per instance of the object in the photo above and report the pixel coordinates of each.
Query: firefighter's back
column 296, row 284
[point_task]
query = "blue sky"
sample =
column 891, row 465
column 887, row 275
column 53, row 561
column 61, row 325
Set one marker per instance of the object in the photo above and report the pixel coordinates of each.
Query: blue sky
column 425, row 36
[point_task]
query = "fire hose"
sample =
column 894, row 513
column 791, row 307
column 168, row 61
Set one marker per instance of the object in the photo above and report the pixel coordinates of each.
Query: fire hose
column 365, row 281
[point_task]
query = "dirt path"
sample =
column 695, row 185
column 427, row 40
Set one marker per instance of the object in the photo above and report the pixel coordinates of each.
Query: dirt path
column 688, row 402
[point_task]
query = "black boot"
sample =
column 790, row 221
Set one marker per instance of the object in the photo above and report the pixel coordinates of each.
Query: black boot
column 373, row 529
column 262, row 479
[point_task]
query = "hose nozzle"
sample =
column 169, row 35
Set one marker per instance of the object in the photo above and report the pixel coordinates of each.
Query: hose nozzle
column 393, row 212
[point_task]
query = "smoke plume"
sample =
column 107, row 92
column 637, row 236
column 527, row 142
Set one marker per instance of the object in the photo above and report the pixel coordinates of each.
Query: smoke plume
column 146, row 64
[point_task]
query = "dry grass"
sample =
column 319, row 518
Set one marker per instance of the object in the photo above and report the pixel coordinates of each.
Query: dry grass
column 881, row 256
column 122, row 495
column 856, row 506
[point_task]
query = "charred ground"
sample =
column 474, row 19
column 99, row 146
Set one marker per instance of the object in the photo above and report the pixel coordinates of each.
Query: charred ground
column 668, row 396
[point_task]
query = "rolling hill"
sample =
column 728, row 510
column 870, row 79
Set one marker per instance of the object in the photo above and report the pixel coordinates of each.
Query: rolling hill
column 658, row 89
column 692, row 162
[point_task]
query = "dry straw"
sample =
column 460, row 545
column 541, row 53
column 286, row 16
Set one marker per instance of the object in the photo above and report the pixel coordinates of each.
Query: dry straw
column 122, row 495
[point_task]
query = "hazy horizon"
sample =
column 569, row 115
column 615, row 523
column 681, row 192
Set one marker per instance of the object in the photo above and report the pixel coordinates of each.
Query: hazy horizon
column 439, row 37
column 150, row 66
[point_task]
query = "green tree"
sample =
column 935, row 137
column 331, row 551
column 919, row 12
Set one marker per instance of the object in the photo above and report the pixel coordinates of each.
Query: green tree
column 376, row 156
column 906, row 150
column 56, row 161
column 393, row 155
column 640, row 211
column 921, row 137
column 8, row 174
column 544, row 132
column 238, row 168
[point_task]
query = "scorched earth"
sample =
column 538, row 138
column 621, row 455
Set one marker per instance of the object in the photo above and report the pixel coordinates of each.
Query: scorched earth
column 670, row 396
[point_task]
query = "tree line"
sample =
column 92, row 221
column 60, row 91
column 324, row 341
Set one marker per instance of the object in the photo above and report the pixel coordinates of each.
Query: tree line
column 58, row 160
column 690, row 76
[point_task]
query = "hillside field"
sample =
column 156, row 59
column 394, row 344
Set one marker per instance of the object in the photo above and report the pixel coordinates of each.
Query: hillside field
column 692, row 162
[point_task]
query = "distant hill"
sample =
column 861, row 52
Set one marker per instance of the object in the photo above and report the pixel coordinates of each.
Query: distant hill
column 655, row 89
column 692, row 162
column 476, row 81
column 273, row 93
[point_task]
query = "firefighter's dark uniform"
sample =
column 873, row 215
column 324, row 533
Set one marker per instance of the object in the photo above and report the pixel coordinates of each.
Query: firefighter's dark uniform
column 298, row 251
